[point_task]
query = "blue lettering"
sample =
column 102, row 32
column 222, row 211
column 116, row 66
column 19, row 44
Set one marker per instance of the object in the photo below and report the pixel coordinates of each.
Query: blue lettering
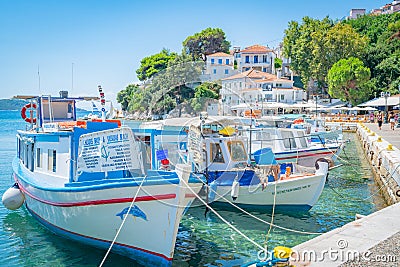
column 112, row 138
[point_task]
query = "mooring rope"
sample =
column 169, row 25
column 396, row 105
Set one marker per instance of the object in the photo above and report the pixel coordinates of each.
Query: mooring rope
column 222, row 218
column 272, row 216
column 122, row 223
column 372, row 195
column 129, row 210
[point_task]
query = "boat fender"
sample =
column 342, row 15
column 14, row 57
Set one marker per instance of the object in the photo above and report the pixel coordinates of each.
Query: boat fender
column 323, row 167
column 213, row 189
column 23, row 112
column 13, row 198
column 327, row 160
column 235, row 190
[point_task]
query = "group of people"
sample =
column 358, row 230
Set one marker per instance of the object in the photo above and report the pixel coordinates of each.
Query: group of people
column 392, row 118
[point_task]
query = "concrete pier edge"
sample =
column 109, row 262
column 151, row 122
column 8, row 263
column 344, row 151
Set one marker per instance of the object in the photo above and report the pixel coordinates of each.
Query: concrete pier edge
column 353, row 243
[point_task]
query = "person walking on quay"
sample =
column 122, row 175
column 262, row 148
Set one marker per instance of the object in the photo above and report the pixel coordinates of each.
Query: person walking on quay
column 391, row 120
column 371, row 117
column 379, row 118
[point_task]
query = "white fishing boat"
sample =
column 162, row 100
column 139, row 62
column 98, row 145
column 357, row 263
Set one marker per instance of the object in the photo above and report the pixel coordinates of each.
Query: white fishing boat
column 94, row 182
column 222, row 156
column 288, row 187
column 291, row 145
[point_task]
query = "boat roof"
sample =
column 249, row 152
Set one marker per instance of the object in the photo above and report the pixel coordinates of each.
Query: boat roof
column 181, row 122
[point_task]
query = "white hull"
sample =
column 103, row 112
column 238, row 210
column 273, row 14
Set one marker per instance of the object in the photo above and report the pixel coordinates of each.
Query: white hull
column 91, row 216
column 296, row 193
column 308, row 157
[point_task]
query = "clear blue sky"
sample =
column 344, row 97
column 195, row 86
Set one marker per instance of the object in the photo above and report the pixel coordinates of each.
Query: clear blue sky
column 104, row 41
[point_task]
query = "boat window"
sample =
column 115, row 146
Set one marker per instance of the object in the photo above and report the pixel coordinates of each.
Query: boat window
column 263, row 136
column 216, row 153
column 288, row 139
column 52, row 160
column 32, row 158
column 303, row 141
column 237, row 151
column 38, row 157
column 26, row 155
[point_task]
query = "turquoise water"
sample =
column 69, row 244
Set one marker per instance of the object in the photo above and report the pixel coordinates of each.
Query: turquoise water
column 202, row 240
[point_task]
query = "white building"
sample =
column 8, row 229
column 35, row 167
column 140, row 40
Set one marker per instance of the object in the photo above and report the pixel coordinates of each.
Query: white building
column 218, row 66
column 256, row 57
column 255, row 88
column 356, row 12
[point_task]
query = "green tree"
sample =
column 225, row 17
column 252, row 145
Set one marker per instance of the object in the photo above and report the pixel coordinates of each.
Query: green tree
column 203, row 93
column 208, row 41
column 331, row 44
column 125, row 96
column 174, row 83
column 277, row 63
column 300, row 42
column 153, row 64
column 134, row 98
column 348, row 79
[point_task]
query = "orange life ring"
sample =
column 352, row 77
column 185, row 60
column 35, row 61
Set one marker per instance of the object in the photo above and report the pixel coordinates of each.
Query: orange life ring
column 298, row 120
column 23, row 112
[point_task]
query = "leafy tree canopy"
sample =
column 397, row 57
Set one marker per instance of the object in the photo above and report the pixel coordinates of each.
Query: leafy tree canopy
column 153, row 64
column 299, row 42
column 208, row 41
column 278, row 63
column 203, row 93
column 348, row 79
column 176, row 82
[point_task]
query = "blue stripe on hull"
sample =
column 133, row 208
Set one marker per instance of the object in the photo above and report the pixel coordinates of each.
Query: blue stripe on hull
column 292, row 209
column 142, row 257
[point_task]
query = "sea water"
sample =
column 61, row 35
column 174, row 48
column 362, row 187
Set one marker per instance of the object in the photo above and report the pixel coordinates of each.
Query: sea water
column 203, row 239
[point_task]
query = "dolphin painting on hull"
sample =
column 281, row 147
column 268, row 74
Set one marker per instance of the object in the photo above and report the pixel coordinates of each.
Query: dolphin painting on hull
column 135, row 212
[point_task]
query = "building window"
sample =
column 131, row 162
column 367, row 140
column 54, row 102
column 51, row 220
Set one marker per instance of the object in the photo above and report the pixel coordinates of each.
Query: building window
column 247, row 69
column 227, row 61
column 264, row 70
column 220, row 61
column 255, row 59
column 52, row 160
column 247, row 60
column 265, row 59
column 226, row 71
column 282, row 97
column 38, row 157
column 215, row 71
column 212, row 61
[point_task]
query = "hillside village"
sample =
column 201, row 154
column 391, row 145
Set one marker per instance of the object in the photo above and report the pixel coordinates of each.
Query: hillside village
column 238, row 80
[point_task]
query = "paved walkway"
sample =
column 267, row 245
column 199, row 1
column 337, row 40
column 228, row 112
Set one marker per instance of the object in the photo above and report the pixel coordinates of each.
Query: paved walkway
column 392, row 136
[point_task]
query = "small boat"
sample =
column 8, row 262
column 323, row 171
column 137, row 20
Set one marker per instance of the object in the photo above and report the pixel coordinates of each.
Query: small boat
column 290, row 145
column 93, row 182
column 221, row 154
column 287, row 187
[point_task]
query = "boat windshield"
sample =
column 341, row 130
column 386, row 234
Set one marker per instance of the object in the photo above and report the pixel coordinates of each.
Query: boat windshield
column 216, row 153
column 237, row 151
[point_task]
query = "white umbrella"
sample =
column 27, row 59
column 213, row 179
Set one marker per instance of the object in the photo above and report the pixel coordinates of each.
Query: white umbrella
column 370, row 108
column 356, row 108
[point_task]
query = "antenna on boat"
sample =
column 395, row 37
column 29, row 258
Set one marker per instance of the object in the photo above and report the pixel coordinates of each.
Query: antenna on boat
column 72, row 78
column 38, row 73
column 103, row 103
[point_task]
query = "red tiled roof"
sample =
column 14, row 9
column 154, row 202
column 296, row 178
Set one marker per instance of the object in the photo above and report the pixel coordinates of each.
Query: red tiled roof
column 256, row 49
column 219, row 54
column 252, row 73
